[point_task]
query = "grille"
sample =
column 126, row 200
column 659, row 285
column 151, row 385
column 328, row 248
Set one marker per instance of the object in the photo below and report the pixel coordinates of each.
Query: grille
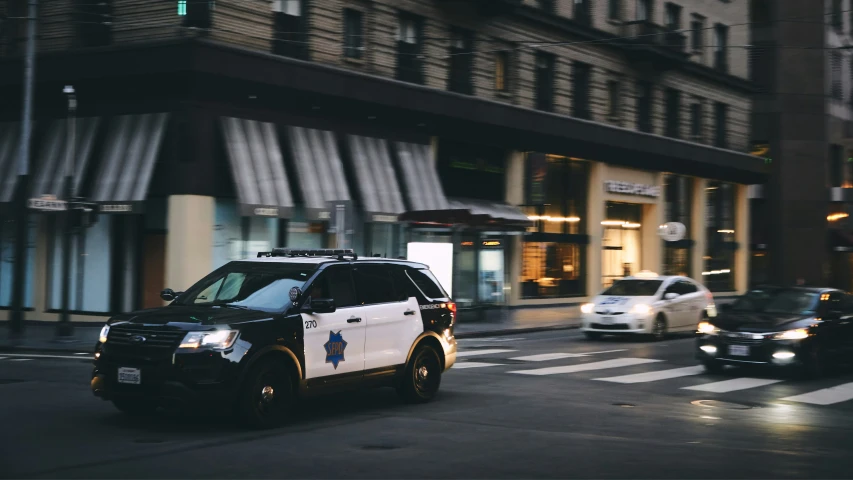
column 609, row 313
column 734, row 338
column 615, row 326
column 155, row 337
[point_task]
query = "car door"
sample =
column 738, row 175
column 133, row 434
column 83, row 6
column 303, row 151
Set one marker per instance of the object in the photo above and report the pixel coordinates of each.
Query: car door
column 334, row 342
column 834, row 332
column 673, row 308
column 393, row 319
column 694, row 303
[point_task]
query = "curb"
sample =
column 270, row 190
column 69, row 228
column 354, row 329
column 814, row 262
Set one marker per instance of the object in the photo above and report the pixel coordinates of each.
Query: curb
column 513, row 331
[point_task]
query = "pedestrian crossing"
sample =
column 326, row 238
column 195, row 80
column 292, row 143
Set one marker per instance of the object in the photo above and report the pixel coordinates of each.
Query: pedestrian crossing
column 603, row 368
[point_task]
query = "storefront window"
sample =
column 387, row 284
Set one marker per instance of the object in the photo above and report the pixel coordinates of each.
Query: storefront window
column 236, row 237
column 551, row 270
column 720, row 228
column 621, row 242
column 7, row 263
column 677, row 197
column 91, row 268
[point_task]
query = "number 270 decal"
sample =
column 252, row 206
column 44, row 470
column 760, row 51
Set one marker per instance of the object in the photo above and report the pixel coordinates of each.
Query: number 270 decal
column 310, row 323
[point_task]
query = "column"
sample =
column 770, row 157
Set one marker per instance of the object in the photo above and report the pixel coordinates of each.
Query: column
column 594, row 217
column 41, row 285
column 514, row 196
column 189, row 241
column 696, row 228
column 742, row 255
column 652, row 245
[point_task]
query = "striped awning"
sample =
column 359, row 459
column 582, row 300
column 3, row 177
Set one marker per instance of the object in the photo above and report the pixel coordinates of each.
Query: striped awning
column 257, row 168
column 127, row 163
column 10, row 139
column 420, row 174
column 377, row 182
column 319, row 169
column 50, row 174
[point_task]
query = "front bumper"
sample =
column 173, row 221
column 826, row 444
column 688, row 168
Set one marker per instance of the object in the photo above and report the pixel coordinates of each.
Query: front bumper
column 780, row 353
column 625, row 323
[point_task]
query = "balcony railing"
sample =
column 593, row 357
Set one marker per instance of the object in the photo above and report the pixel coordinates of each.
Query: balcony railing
column 646, row 33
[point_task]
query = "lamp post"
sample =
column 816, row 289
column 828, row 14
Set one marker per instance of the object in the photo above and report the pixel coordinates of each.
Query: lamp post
column 65, row 329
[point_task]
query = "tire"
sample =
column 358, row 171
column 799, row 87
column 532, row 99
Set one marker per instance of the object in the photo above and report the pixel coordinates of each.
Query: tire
column 422, row 376
column 592, row 335
column 267, row 396
column 137, row 407
column 659, row 329
column 712, row 366
column 814, row 366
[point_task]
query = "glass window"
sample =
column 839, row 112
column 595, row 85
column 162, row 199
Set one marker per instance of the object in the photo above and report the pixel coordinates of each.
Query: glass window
column 353, row 33
column 403, row 285
column 556, row 193
column 7, row 263
column 613, row 93
column 91, row 268
column 550, row 269
column 633, row 288
column 581, row 78
column 236, row 237
column 409, row 47
column 720, row 224
column 614, row 9
column 678, row 192
column 687, row 287
column 373, row 284
column 697, row 32
column 427, row 283
column 545, row 81
column 793, row 302
column 502, row 71
column 461, row 77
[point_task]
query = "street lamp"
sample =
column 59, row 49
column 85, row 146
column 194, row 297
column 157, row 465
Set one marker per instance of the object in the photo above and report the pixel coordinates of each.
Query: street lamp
column 65, row 329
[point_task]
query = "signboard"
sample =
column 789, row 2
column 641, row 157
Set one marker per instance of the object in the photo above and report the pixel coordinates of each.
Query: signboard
column 628, row 188
column 384, row 218
column 116, row 208
column 266, row 212
column 672, row 231
column 48, row 204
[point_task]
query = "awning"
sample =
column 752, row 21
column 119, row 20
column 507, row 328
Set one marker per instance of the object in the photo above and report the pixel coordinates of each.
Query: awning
column 10, row 135
column 257, row 168
column 127, row 162
column 319, row 169
column 473, row 213
column 423, row 187
column 49, row 178
column 377, row 182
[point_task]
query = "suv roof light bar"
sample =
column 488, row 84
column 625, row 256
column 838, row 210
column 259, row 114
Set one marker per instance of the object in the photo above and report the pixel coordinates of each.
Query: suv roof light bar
column 311, row 252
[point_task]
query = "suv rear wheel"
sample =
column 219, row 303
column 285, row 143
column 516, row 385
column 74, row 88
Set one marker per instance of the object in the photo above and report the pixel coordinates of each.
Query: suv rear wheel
column 422, row 377
column 267, row 397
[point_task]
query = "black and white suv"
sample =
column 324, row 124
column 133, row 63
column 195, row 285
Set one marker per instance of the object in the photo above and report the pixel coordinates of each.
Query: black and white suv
column 257, row 334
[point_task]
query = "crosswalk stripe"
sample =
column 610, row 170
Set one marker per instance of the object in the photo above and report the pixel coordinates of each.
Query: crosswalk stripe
column 20, row 359
column 472, row 353
column 544, row 357
column 654, row 376
column 733, row 385
column 615, row 363
column 826, row 396
column 459, row 365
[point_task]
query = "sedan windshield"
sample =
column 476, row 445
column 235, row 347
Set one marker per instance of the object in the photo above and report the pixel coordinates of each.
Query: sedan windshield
column 242, row 286
column 753, row 300
column 634, row 288
column 793, row 302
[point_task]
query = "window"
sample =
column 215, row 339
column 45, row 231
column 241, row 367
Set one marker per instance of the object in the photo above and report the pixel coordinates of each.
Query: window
column 7, row 264
column 353, row 33
column 644, row 106
column 613, row 92
column 836, row 89
column 243, row 285
column 673, row 113
column 837, row 19
column 461, row 61
column 373, row 284
column 549, row 6
column 673, row 16
column 582, row 13
column 721, row 51
column 182, row 7
column 697, row 34
column 409, row 49
column 581, row 73
column 545, row 81
column 94, row 22
column 634, row 288
column 614, row 9
column 334, row 283
column 502, row 71
column 427, row 283
column 696, row 122
column 644, row 10
column 721, row 125
column 290, row 36
column 551, row 269
column 678, row 198
column 720, row 235
column 197, row 13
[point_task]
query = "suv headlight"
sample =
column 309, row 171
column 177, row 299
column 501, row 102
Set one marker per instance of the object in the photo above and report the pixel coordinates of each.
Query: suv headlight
column 104, row 332
column 587, row 307
column 217, row 339
column 707, row 328
column 797, row 334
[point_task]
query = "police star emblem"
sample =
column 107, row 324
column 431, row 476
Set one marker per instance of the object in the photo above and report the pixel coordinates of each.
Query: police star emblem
column 335, row 349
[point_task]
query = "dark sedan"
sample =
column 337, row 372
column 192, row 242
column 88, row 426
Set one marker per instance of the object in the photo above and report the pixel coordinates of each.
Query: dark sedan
column 809, row 328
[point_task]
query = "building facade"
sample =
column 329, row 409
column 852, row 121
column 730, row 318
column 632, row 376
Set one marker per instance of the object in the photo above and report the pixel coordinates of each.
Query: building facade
column 528, row 151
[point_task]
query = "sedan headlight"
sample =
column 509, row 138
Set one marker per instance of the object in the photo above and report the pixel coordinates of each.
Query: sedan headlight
column 587, row 307
column 797, row 334
column 217, row 339
column 707, row 328
column 104, row 332
column 641, row 309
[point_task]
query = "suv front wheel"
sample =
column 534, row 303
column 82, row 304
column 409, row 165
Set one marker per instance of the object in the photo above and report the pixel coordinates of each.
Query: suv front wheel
column 267, row 396
column 422, row 377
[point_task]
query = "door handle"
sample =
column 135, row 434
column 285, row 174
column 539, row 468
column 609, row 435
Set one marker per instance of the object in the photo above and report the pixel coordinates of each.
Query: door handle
column 353, row 320
column 409, row 312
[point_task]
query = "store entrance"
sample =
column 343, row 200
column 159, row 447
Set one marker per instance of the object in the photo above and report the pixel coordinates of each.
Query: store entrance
column 621, row 242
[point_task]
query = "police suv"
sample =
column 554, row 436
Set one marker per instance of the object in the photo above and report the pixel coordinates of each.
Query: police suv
column 255, row 335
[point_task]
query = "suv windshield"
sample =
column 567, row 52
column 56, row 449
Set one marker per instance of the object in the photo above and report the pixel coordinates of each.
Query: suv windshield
column 634, row 288
column 793, row 302
column 243, row 285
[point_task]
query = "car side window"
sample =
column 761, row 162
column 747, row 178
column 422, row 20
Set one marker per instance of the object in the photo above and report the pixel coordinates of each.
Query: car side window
column 403, row 286
column 374, row 284
column 426, row 282
column 672, row 288
column 687, row 287
column 335, row 283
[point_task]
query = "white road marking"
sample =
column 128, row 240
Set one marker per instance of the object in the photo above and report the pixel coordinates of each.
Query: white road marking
column 472, row 353
column 654, row 376
column 34, row 355
column 458, row 365
column 826, row 396
column 493, row 339
column 20, row 359
column 733, row 385
column 548, row 356
column 615, row 363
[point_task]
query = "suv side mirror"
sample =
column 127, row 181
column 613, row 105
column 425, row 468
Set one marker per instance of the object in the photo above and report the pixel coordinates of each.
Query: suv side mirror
column 169, row 294
column 322, row 305
column 670, row 296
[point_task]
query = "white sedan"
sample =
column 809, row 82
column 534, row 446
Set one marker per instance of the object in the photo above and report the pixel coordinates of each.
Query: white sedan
column 648, row 304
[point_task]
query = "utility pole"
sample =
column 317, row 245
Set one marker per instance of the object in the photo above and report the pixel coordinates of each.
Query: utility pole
column 16, row 320
column 65, row 330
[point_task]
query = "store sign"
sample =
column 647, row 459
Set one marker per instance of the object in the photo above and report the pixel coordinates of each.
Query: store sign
column 48, row 204
column 385, row 218
column 628, row 188
column 672, row 231
column 266, row 212
column 116, row 208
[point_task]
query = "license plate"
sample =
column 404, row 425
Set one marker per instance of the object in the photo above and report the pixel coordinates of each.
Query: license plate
column 132, row 376
column 606, row 320
column 738, row 350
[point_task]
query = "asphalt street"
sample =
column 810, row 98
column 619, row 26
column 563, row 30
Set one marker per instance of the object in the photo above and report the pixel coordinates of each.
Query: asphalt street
column 536, row 405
